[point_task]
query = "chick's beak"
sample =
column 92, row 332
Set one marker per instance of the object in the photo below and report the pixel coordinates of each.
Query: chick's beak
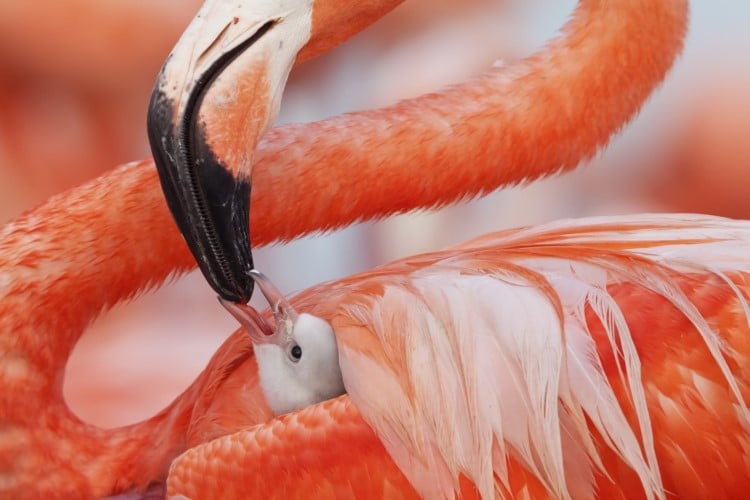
column 282, row 310
column 218, row 92
column 259, row 330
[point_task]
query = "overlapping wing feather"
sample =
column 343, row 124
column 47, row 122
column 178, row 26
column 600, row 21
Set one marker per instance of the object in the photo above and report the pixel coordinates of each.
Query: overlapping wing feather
column 485, row 349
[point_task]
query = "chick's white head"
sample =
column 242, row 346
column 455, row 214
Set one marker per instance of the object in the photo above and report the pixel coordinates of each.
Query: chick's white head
column 297, row 358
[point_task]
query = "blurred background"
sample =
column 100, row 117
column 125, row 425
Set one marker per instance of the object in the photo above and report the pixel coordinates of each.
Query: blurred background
column 75, row 78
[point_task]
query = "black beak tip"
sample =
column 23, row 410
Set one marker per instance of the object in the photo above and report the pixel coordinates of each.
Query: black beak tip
column 239, row 294
column 208, row 202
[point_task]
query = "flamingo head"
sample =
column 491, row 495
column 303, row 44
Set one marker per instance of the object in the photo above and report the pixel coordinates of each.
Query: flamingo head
column 297, row 357
column 217, row 93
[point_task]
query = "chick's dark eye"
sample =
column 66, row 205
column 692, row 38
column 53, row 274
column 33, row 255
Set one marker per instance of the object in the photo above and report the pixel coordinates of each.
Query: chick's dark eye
column 296, row 352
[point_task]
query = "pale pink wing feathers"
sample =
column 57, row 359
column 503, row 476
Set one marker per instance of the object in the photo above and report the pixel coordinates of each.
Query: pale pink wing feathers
column 527, row 347
column 487, row 350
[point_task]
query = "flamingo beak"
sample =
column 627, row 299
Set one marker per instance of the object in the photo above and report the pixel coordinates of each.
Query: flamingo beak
column 282, row 310
column 215, row 96
column 259, row 330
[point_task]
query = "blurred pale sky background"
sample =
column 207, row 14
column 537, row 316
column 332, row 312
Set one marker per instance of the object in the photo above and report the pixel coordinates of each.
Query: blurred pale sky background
column 64, row 119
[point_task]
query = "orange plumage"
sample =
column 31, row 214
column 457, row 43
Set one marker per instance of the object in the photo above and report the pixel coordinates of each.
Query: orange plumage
column 666, row 336
column 397, row 315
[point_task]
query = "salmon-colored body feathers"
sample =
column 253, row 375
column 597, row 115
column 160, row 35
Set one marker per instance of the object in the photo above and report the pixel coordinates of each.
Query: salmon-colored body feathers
column 600, row 358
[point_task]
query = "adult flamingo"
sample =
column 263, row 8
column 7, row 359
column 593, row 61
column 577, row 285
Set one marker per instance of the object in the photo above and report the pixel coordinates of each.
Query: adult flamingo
column 514, row 114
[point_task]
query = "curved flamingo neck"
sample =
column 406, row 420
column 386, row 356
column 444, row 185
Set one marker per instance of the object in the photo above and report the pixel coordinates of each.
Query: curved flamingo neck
column 519, row 122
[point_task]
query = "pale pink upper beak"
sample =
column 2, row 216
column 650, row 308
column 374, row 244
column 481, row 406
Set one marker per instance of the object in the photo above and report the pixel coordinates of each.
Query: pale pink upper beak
column 260, row 330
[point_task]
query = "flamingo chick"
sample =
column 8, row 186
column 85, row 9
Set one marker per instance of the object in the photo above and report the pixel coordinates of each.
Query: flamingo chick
column 298, row 361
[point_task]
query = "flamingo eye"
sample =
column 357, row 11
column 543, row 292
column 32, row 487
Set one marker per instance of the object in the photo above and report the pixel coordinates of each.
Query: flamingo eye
column 295, row 353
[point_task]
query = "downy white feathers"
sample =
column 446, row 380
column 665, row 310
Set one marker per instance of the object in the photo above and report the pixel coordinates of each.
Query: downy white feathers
column 292, row 379
column 298, row 362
